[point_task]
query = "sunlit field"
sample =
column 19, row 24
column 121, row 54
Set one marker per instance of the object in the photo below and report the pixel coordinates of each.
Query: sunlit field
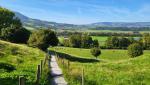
column 114, row 67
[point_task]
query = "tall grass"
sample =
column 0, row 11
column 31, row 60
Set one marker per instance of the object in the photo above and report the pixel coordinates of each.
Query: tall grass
column 25, row 59
column 114, row 68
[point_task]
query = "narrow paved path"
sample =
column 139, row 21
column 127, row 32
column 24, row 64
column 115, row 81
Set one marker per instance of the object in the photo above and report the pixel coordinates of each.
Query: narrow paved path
column 56, row 73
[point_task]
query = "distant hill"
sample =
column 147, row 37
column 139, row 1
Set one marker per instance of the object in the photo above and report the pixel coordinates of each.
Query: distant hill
column 36, row 23
column 122, row 24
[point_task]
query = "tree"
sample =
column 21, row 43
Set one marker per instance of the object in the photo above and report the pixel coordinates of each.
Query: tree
column 95, row 51
column 109, row 43
column 11, row 28
column 8, row 18
column 14, row 35
column 42, row 38
column 146, row 40
column 75, row 40
column 112, row 42
column 86, row 41
column 66, row 42
column 95, row 43
column 135, row 50
column 124, row 42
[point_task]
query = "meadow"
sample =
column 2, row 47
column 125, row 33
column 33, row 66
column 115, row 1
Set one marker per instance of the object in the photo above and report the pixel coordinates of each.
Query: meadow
column 24, row 59
column 114, row 67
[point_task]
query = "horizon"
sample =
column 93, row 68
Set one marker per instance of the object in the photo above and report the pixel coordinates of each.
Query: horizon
column 75, row 11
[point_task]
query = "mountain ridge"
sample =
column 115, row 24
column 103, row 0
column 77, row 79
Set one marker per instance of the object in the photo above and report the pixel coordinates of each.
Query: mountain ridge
column 36, row 23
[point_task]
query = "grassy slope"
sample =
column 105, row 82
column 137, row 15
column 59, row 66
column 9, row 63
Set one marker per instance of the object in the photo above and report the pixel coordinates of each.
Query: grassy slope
column 24, row 58
column 116, row 68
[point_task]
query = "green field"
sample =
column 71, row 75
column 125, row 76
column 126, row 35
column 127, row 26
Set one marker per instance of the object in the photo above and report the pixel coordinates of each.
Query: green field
column 25, row 59
column 101, row 39
column 114, row 68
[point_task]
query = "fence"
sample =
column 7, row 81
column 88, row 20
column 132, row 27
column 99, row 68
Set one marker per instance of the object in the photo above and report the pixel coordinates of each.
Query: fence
column 64, row 60
column 39, row 71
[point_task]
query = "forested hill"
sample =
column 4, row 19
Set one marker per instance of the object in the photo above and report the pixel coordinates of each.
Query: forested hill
column 36, row 23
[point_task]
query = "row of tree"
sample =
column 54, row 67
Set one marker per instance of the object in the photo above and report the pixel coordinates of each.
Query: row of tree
column 122, row 28
column 11, row 30
column 80, row 41
column 119, row 42
column 115, row 42
column 125, row 34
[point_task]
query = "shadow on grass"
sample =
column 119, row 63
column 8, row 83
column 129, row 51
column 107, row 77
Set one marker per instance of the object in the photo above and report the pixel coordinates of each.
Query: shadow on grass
column 73, row 58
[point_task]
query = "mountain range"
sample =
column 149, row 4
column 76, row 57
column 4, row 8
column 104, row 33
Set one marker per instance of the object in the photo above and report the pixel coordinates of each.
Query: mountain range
column 36, row 23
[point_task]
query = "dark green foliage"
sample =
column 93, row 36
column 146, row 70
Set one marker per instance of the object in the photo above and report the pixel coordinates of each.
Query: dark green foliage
column 75, row 40
column 118, row 42
column 15, row 35
column 42, row 38
column 11, row 27
column 86, row 41
column 80, row 41
column 95, row 52
column 135, row 50
column 7, row 19
column 124, row 42
column 7, row 67
column 125, row 34
column 112, row 42
column 95, row 43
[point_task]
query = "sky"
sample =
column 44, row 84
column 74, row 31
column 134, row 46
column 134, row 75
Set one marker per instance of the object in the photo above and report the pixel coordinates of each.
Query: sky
column 82, row 11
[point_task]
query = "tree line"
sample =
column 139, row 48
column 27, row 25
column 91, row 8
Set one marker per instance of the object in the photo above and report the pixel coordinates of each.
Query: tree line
column 126, row 34
column 115, row 42
column 80, row 41
column 122, row 28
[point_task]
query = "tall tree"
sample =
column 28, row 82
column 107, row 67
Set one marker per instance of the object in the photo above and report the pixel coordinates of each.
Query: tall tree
column 43, row 38
column 8, row 18
column 11, row 27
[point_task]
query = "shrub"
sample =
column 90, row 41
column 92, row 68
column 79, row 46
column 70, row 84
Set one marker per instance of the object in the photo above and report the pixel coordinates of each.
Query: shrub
column 135, row 50
column 42, row 38
column 7, row 67
column 16, row 35
column 95, row 52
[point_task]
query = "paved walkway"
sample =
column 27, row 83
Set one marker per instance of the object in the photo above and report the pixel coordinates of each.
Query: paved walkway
column 56, row 73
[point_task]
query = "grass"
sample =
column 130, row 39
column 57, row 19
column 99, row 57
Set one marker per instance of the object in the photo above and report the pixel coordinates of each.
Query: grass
column 114, row 68
column 101, row 39
column 25, row 59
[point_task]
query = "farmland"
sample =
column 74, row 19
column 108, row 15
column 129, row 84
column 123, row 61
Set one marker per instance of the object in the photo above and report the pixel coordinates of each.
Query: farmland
column 114, row 68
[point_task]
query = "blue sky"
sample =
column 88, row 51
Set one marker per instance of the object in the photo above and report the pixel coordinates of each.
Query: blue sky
column 82, row 11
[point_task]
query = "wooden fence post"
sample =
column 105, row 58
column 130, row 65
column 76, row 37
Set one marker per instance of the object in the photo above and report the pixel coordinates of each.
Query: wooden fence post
column 82, row 76
column 38, row 75
column 45, row 60
column 21, row 81
column 41, row 67
column 68, row 64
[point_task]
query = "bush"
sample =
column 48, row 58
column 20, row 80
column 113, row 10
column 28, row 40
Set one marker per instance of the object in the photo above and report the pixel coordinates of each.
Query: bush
column 7, row 67
column 42, row 38
column 135, row 50
column 16, row 35
column 95, row 52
